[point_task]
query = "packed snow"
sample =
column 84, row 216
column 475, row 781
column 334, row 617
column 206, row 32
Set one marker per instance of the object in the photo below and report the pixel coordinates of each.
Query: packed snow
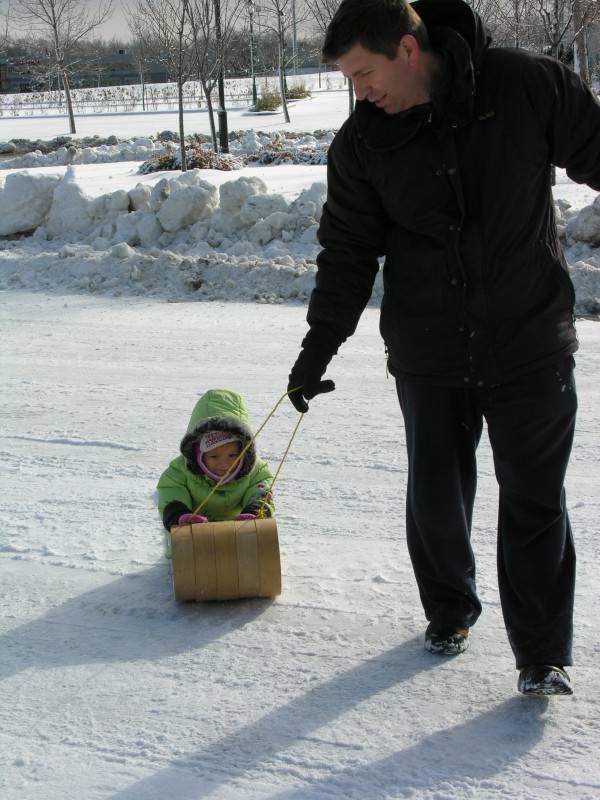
column 112, row 690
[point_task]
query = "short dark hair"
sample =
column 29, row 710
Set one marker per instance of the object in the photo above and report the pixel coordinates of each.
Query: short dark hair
column 376, row 25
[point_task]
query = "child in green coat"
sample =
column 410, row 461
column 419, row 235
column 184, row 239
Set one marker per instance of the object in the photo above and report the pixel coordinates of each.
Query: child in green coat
column 217, row 433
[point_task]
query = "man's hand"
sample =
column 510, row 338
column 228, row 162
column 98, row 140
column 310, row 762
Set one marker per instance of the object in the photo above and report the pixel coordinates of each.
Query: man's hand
column 306, row 376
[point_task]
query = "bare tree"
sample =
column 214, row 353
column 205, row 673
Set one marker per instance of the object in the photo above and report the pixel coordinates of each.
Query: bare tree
column 142, row 54
column 167, row 24
column 517, row 19
column 64, row 24
column 585, row 14
column 282, row 17
column 556, row 18
column 207, row 57
column 558, row 27
column 213, row 24
column 4, row 23
column 322, row 12
column 566, row 23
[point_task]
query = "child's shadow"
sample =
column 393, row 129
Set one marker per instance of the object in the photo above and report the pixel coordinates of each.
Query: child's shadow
column 131, row 618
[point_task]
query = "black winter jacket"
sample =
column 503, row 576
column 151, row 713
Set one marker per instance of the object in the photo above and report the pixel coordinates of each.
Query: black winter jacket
column 456, row 195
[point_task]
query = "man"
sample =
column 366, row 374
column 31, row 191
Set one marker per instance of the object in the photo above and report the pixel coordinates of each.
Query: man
column 444, row 169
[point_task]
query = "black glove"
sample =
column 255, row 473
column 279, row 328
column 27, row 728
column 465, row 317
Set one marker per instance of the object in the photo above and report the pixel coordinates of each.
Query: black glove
column 307, row 372
column 254, row 507
column 172, row 513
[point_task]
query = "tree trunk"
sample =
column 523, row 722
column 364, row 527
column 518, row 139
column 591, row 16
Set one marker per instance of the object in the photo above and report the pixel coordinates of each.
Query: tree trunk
column 580, row 50
column 221, row 112
column 181, row 131
column 286, row 113
column 211, row 115
column 69, row 102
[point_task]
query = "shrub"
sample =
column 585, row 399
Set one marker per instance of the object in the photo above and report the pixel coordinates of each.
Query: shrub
column 268, row 101
column 297, row 92
column 197, row 157
column 281, row 150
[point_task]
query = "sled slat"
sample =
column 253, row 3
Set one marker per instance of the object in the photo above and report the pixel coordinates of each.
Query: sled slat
column 226, row 561
column 204, row 562
column 184, row 579
column 268, row 554
column 247, row 559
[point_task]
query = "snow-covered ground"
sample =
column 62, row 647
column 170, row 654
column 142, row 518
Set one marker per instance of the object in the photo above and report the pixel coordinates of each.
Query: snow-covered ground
column 110, row 689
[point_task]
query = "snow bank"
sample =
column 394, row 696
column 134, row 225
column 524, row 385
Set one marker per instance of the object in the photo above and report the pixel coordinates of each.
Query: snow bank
column 244, row 145
column 186, row 236
column 179, row 212
column 182, row 236
column 585, row 227
column 25, row 200
column 132, row 150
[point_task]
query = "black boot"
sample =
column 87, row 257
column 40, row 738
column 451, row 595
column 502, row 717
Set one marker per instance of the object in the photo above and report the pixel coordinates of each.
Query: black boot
column 544, row 679
column 446, row 640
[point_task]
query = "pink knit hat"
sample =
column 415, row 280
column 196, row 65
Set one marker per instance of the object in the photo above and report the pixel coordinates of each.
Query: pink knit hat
column 212, row 439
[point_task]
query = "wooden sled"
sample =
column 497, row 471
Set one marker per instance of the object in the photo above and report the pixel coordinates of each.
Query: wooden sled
column 226, row 560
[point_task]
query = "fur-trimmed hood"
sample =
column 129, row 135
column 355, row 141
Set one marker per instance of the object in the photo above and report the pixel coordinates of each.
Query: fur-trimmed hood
column 218, row 410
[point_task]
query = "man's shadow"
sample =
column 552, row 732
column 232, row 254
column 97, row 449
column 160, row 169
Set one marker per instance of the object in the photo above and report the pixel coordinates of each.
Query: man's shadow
column 480, row 749
column 477, row 749
column 130, row 618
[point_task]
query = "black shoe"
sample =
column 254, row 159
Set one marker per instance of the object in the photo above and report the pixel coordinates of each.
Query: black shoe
column 446, row 640
column 544, row 679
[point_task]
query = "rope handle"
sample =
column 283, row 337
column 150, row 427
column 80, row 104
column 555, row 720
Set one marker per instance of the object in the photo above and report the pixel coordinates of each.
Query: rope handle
column 260, row 514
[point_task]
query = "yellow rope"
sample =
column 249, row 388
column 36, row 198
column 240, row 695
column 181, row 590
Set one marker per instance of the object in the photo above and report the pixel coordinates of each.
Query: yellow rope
column 260, row 513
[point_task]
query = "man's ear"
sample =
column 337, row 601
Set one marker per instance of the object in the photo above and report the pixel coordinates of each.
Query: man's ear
column 409, row 48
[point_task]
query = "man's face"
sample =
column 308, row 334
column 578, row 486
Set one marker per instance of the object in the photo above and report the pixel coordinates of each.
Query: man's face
column 393, row 85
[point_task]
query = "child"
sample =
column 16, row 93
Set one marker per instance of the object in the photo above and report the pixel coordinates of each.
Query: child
column 217, row 433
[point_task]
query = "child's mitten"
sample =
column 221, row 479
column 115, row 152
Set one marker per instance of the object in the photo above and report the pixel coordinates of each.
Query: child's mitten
column 191, row 519
column 252, row 510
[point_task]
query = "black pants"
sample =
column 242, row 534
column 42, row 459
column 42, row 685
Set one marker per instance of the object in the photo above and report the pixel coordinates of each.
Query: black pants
column 530, row 423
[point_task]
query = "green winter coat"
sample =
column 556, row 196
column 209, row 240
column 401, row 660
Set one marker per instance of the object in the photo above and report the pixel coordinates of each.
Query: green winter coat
column 183, row 485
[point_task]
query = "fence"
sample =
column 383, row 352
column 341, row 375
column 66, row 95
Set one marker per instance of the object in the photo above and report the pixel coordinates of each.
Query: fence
column 106, row 100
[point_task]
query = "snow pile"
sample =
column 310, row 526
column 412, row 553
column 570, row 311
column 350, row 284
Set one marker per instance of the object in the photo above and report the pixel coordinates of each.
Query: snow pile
column 181, row 210
column 284, row 147
column 245, row 145
column 25, row 201
column 182, row 235
column 134, row 150
column 203, row 233
column 585, row 226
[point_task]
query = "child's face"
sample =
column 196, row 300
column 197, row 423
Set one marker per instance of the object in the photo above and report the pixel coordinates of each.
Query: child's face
column 222, row 458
